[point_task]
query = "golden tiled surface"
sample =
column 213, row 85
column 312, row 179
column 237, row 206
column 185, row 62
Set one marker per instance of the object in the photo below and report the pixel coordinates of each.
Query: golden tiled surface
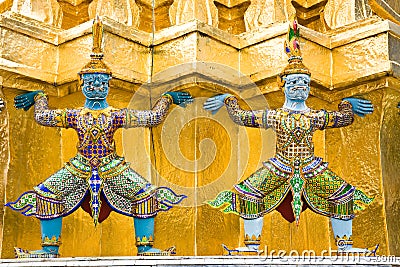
column 183, row 47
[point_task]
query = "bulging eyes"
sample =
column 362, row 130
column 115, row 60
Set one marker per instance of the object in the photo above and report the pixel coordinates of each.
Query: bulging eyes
column 305, row 81
column 302, row 82
column 90, row 84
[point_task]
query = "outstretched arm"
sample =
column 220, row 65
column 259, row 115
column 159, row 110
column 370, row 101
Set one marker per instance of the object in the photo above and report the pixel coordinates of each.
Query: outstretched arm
column 153, row 117
column 341, row 118
column 43, row 114
column 247, row 118
column 148, row 118
column 347, row 109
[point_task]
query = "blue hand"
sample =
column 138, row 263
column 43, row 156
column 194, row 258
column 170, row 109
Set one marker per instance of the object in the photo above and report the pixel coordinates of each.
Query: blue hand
column 180, row 98
column 25, row 101
column 214, row 103
column 361, row 107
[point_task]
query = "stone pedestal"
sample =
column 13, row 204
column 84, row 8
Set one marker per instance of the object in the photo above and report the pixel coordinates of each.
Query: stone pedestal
column 193, row 152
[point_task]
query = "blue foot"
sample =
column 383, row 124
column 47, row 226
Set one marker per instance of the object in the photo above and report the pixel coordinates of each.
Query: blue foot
column 243, row 250
column 366, row 251
column 22, row 253
column 158, row 252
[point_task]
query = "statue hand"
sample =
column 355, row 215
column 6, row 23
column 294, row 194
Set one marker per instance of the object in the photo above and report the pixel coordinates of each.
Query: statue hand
column 26, row 100
column 180, row 98
column 214, row 103
column 361, row 107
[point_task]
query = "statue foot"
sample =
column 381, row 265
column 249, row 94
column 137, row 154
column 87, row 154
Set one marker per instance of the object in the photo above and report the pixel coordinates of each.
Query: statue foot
column 246, row 249
column 158, row 252
column 22, row 253
column 353, row 250
column 365, row 251
column 243, row 250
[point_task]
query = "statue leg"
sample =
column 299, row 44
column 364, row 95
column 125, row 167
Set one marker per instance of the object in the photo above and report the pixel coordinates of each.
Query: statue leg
column 342, row 230
column 252, row 235
column 144, row 234
column 51, row 233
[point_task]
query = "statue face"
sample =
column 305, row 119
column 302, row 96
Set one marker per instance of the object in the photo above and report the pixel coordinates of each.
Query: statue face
column 95, row 85
column 297, row 87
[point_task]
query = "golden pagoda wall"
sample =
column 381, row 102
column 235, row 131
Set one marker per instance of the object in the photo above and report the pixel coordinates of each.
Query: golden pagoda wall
column 348, row 50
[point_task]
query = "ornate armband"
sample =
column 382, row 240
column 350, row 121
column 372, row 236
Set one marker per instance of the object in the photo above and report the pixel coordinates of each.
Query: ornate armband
column 229, row 98
column 39, row 95
column 341, row 118
column 169, row 97
column 345, row 105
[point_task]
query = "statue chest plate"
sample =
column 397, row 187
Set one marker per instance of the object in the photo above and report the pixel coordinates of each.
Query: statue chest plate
column 96, row 135
column 294, row 132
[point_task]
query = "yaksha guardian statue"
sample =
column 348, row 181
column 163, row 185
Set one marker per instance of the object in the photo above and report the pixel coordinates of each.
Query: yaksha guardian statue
column 96, row 179
column 294, row 179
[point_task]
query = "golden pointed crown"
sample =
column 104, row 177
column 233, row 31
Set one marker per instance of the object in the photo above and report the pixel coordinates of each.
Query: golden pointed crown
column 96, row 64
column 292, row 50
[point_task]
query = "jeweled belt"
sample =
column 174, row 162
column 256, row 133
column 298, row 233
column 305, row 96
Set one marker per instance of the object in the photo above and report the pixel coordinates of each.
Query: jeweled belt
column 96, row 161
column 290, row 161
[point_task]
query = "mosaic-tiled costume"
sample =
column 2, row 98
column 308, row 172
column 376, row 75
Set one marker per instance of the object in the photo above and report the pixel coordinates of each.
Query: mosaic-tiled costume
column 294, row 172
column 96, row 176
column 294, row 179
column 96, row 179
